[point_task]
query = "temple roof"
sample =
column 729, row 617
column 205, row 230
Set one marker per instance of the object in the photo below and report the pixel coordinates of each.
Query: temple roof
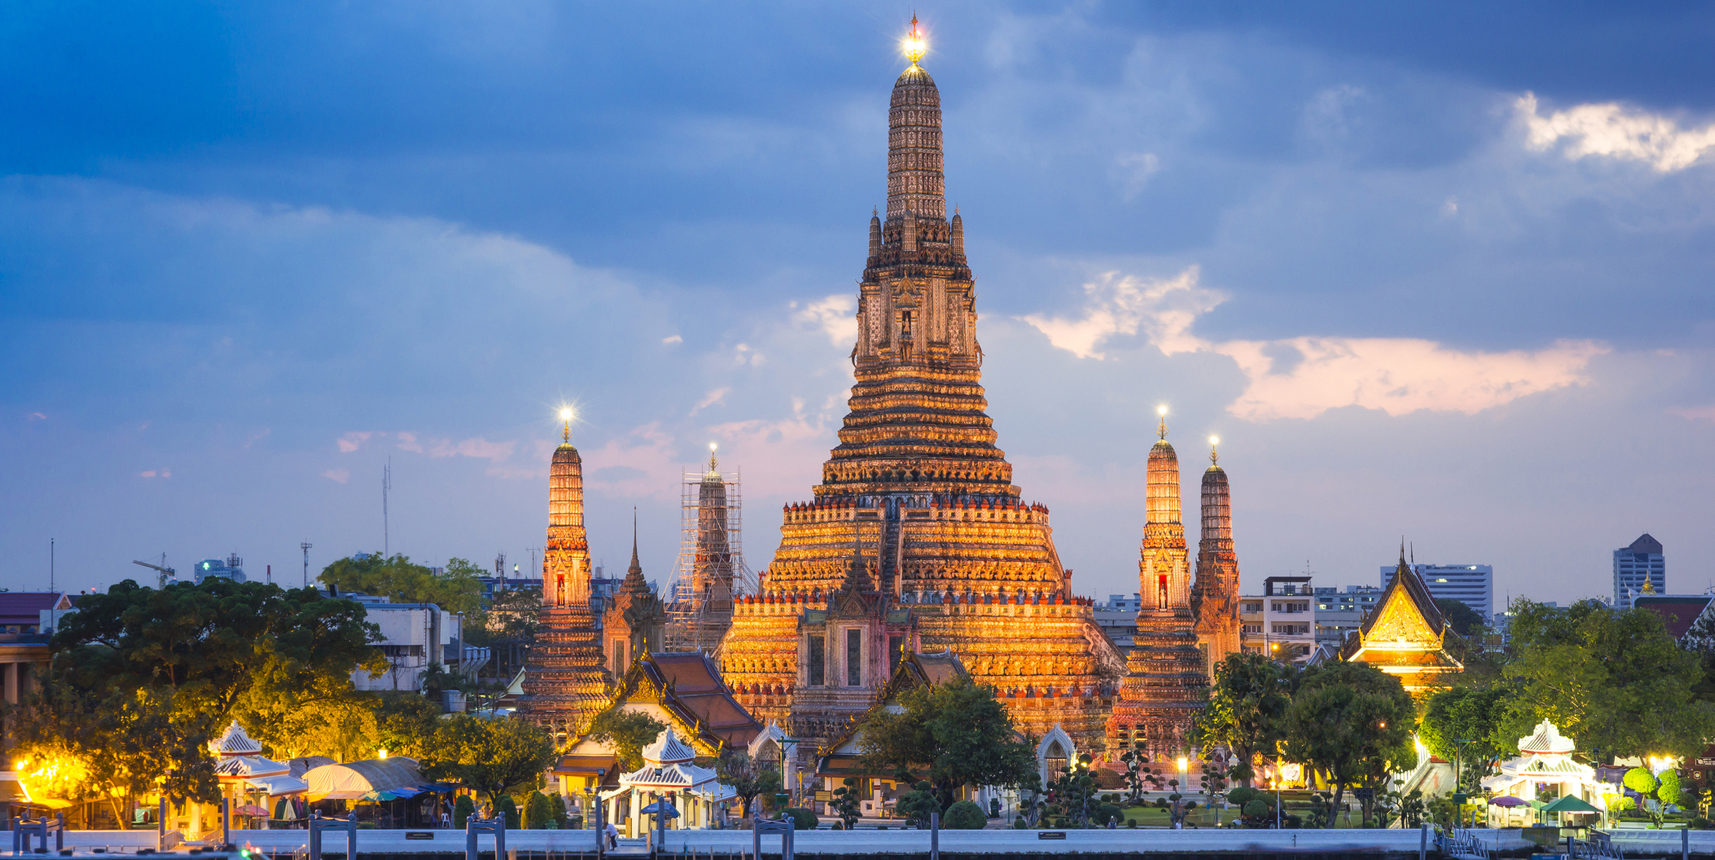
column 1405, row 632
column 1677, row 612
column 668, row 749
column 689, row 686
column 235, row 742
column 1546, row 739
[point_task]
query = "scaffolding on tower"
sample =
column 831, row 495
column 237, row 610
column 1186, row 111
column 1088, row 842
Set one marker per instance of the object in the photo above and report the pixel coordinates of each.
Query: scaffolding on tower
column 711, row 571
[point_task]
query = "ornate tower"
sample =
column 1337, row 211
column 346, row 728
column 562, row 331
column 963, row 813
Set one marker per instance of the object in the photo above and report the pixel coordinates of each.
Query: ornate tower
column 632, row 625
column 564, row 683
column 1165, row 681
column 1215, row 594
column 948, row 556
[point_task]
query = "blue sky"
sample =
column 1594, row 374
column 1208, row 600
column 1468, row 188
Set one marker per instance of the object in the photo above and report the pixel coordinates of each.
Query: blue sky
column 1439, row 270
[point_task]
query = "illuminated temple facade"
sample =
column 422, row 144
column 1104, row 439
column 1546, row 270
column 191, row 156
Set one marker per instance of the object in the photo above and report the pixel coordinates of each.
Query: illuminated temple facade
column 1166, row 679
column 1215, row 591
column 916, row 538
column 1405, row 635
column 565, row 685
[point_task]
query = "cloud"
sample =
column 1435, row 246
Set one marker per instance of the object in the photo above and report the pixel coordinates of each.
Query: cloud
column 338, row 476
column 672, row 338
column 776, row 449
column 1695, row 413
column 1611, row 130
column 36, row 416
column 257, row 436
column 1119, row 305
column 744, row 355
column 1134, row 170
column 835, row 315
column 1395, row 375
column 155, row 473
column 476, row 447
column 713, row 397
column 639, row 464
column 352, row 441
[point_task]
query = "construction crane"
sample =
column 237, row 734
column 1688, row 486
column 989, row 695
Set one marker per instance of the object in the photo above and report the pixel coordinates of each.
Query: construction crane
column 163, row 573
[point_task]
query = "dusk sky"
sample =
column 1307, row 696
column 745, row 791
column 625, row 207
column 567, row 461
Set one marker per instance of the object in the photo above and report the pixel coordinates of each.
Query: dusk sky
column 1439, row 271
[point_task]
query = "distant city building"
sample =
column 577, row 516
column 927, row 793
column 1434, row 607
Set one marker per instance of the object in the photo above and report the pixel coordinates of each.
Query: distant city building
column 1639, row 569
column 1470, row 584
column 24, row 616
column 231, row 567
column 1280, row 622
column 1340, row 612
column 414, row 637
column 1117, row 618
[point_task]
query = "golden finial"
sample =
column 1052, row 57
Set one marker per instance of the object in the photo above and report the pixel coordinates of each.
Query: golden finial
column 915, row 45
column 566, row 419
column 1214, row 454
column 712, row 469
column 1161, row 428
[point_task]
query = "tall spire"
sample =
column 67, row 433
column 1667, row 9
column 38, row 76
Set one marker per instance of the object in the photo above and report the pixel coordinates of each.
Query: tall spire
column 915, row 183
column 635, row 567
column 565, row 560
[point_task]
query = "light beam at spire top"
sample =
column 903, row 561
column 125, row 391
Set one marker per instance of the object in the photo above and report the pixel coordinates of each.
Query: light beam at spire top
column 914, row 44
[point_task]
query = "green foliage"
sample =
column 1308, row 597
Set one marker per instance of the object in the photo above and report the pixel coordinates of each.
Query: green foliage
column 1246, row 710
column 957, row 734
column 1670, row 790
column 1256, row 809
column 538, row 811
column 628, row 732
column 463, row 809
column 1619, row 802
column 1472, row 714
column 1353, row 722
column 455, row 589
column 1606, row 678
column 748, row 777
column 1407, row 810
column 918, row 804
column 1138, row 774
column 490, row 756
column 145, row 677
column 847, row 802
column 1464, row 620
column 1072, row 796
column 1241, row 795
column 506, row 808
column 964, row 815
column 1104, row 813
column 1640, row 780
column 802, row 819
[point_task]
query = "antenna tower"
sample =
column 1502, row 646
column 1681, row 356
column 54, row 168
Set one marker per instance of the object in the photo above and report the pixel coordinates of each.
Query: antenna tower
column 386, row 486
column 305, row 546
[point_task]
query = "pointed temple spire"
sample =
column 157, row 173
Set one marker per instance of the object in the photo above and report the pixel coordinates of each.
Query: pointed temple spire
column 635, row 567
column 564, row 683
column 1215, row 592
column 918, row 478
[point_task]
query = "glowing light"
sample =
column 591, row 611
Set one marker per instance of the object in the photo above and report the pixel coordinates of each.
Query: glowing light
column 565, row 413
column 20, row 764
column 381, row 754
column 1183, row 763
column 1214, row 440
column 915, row 45
column 712, row 447
column 1161, row 410
column 1291, row 771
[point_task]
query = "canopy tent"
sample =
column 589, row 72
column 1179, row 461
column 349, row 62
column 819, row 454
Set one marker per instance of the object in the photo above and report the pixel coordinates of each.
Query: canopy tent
column 1570, row 804
column 354, row 779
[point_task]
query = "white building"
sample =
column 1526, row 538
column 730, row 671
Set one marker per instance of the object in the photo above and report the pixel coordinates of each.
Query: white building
column 1280, row 622
column 1470, row 584
column 1339, row 612
column 414, row 636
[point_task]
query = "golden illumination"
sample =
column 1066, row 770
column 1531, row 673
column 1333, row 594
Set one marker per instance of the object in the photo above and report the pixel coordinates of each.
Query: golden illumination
column 712, row 447
column 1214, row 440
column 1161, row 410
column 381, row 754
column 1183, row 763
column 565, row 413
column 914, row 44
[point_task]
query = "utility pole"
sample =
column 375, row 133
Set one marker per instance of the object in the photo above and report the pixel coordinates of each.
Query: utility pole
column 305, row 546
column 386, row 486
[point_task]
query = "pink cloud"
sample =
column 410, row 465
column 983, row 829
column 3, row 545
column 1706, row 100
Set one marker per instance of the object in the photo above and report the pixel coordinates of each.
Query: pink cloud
column 1695, row 413
column 338, row 476
column 36, row 416
column 155, row 473
column 642, row 463
column 352, row 441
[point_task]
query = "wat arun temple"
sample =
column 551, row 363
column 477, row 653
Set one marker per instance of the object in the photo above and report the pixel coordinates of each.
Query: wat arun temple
column 917, row 539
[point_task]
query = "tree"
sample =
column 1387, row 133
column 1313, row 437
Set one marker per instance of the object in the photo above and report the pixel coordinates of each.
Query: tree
column 1463, row 725
column 507, row 627
column 847, row 802
column 749, row 777
column 1615, row 680
column 1465, row 621
column 964, row 815
column 456, row 588
column 957, row 734
column 1353, row 722
column 1138, row 772
column 490, row 756
column 1246, row 710
column 628, row 732
column 918, row 804
column 145, row 677
column 1214, row 782
column 1072, row 795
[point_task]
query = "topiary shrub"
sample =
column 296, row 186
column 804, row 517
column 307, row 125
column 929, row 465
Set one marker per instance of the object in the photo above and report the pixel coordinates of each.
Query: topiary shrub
column 963, row 815
column 1640, row 780
column 1255, row 809
column 507, row 807
column 1131, row 823
column 1020, row 824
column 802, row 819
column 1241, row 795
column 1669, row 789
column 1105, row 812
column 463, row 809
column 538, row 811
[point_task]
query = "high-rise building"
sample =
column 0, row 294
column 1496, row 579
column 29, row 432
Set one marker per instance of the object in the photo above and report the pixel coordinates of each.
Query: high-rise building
column 1639, row 569
column 1166, row 679
column 1341, row 611
column 1470, row 584
column 565, row 684
column 916, row 538
column 1215, row 594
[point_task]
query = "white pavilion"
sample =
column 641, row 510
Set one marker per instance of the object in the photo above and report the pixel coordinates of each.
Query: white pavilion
column 668, row 773
column 1544, row 767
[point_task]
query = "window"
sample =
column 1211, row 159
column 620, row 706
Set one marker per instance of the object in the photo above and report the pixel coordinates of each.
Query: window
column 854, row 658
column 818, row 658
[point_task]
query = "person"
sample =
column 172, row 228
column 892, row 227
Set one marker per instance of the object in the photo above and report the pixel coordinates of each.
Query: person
column 612, row 837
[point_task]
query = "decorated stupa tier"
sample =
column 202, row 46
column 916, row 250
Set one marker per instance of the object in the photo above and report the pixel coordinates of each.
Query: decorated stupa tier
column 565, row 683
column 951, row 558
column 1215, row 591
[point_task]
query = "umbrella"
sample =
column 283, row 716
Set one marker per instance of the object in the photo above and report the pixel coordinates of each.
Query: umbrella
column 251, row 810
column 1571, row 803
column 1506, row 800
column 661, row 807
